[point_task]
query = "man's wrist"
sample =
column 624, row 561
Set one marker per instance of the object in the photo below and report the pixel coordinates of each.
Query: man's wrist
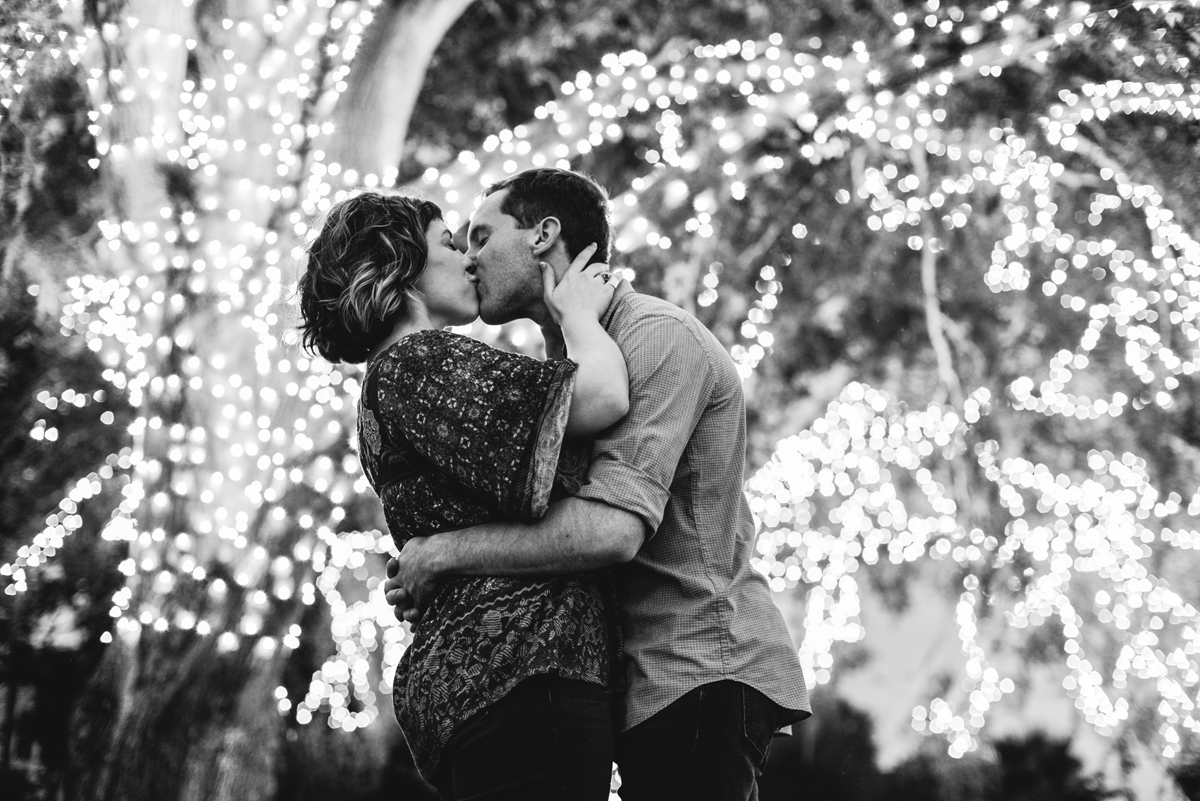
column 432, row 556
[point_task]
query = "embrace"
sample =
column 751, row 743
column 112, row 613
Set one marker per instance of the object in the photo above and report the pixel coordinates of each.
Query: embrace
column 574, row 539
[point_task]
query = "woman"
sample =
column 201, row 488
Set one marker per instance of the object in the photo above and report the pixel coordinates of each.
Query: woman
column 502, row 693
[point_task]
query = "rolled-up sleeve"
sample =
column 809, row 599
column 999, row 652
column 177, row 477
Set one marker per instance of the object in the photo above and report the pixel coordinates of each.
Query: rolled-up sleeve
column 670, row 382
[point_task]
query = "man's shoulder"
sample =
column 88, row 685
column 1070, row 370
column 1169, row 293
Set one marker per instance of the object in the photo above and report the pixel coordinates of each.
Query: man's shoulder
column 674, row 322
column 637, row 307
column 651, row 327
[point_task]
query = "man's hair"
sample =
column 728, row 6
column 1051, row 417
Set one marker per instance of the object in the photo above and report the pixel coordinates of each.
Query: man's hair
column 361, row 267
column 579, row 203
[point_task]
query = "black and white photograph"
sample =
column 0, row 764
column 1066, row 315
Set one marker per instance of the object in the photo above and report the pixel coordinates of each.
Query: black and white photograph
column 599, row 400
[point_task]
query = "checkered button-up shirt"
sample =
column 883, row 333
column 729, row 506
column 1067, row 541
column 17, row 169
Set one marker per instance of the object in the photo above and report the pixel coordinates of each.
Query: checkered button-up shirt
column 695, row 610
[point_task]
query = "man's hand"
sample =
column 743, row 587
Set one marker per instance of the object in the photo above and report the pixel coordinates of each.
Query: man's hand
column 411, row 583
column 398, row 597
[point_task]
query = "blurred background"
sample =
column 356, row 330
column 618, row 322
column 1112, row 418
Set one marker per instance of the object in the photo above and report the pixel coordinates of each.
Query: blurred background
column 952, row 247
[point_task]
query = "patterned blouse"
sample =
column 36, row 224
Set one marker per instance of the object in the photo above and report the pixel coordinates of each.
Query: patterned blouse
column 453, row 433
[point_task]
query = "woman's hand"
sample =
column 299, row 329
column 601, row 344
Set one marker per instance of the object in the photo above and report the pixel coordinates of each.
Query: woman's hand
column 584, row 291
column 577, row 303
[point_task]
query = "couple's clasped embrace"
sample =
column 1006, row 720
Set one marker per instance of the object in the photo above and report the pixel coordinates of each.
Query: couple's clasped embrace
column 574, row 540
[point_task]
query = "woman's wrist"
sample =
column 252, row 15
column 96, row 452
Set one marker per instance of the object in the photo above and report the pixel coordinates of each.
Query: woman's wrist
column 576, row 326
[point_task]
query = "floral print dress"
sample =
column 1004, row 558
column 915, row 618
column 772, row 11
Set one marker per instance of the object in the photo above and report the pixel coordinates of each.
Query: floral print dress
column 453, row 433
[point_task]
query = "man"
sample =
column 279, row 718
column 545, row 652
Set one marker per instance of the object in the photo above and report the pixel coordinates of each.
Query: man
column 711, row 672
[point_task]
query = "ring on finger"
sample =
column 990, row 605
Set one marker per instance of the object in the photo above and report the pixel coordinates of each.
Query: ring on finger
column 605, row 276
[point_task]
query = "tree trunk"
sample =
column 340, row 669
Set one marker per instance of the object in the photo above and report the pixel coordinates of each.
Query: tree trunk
column 176, row 711
column 385, row 79
column 168, row 717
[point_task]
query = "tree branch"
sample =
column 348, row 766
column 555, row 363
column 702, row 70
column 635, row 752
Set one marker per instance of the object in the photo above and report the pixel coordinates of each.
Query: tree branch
column 948, row 382
column 373, row 113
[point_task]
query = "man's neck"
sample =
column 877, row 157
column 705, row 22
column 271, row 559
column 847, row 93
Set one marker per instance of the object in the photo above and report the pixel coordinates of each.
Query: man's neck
column 556, row 346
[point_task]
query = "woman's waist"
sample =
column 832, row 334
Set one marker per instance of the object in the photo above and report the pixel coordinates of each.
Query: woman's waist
column 496, row 619
column 483, row 631
column 462, row 598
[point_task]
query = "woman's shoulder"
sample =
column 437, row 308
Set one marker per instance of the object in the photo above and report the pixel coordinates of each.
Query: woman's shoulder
column 422, row 347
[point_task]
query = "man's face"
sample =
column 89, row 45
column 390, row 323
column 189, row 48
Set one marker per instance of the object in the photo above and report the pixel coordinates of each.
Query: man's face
column 510, row 280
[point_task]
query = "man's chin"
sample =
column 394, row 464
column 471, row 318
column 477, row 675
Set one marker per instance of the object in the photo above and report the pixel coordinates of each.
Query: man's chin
column 493, row 316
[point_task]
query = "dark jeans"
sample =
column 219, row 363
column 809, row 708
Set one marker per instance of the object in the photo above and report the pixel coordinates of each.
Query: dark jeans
column 709, row 745
column 548, row 738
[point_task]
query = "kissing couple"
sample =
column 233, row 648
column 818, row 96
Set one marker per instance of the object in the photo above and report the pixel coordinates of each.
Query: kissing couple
column 574, row 540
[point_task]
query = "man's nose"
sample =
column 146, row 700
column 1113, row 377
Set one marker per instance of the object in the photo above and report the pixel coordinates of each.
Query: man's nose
column 460, row 239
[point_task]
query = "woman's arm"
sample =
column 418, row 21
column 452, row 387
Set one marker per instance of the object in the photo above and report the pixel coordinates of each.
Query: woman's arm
column 576, row 302
column 601, row 395
column 492, row 420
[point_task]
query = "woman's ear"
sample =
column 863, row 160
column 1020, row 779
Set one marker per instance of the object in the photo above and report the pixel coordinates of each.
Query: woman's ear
column 545, row 234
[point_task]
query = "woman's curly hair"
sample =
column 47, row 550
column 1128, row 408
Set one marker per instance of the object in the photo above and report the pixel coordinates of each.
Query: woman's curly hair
column 361, row 268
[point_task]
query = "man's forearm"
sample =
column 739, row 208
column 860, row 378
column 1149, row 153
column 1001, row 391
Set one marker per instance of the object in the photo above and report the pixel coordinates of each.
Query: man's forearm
column 575, row 535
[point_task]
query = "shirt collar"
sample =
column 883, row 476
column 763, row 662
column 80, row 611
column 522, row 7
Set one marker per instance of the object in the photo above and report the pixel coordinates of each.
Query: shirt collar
column 624, row 290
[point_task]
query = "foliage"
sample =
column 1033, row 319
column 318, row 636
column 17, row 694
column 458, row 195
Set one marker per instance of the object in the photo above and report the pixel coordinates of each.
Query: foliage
column 53, row 401
column 834, row 759
column 516, row 56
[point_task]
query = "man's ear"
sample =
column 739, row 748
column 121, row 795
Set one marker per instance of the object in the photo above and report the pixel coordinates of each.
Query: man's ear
column 545, row 234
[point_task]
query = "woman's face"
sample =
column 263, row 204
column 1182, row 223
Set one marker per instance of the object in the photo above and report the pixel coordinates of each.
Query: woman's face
column 448, row 280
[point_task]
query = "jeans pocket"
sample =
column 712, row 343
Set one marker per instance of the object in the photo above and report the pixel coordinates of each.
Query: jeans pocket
column 759, row 715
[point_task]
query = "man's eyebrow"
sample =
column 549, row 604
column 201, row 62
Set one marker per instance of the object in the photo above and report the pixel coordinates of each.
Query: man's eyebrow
column 477, row 230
